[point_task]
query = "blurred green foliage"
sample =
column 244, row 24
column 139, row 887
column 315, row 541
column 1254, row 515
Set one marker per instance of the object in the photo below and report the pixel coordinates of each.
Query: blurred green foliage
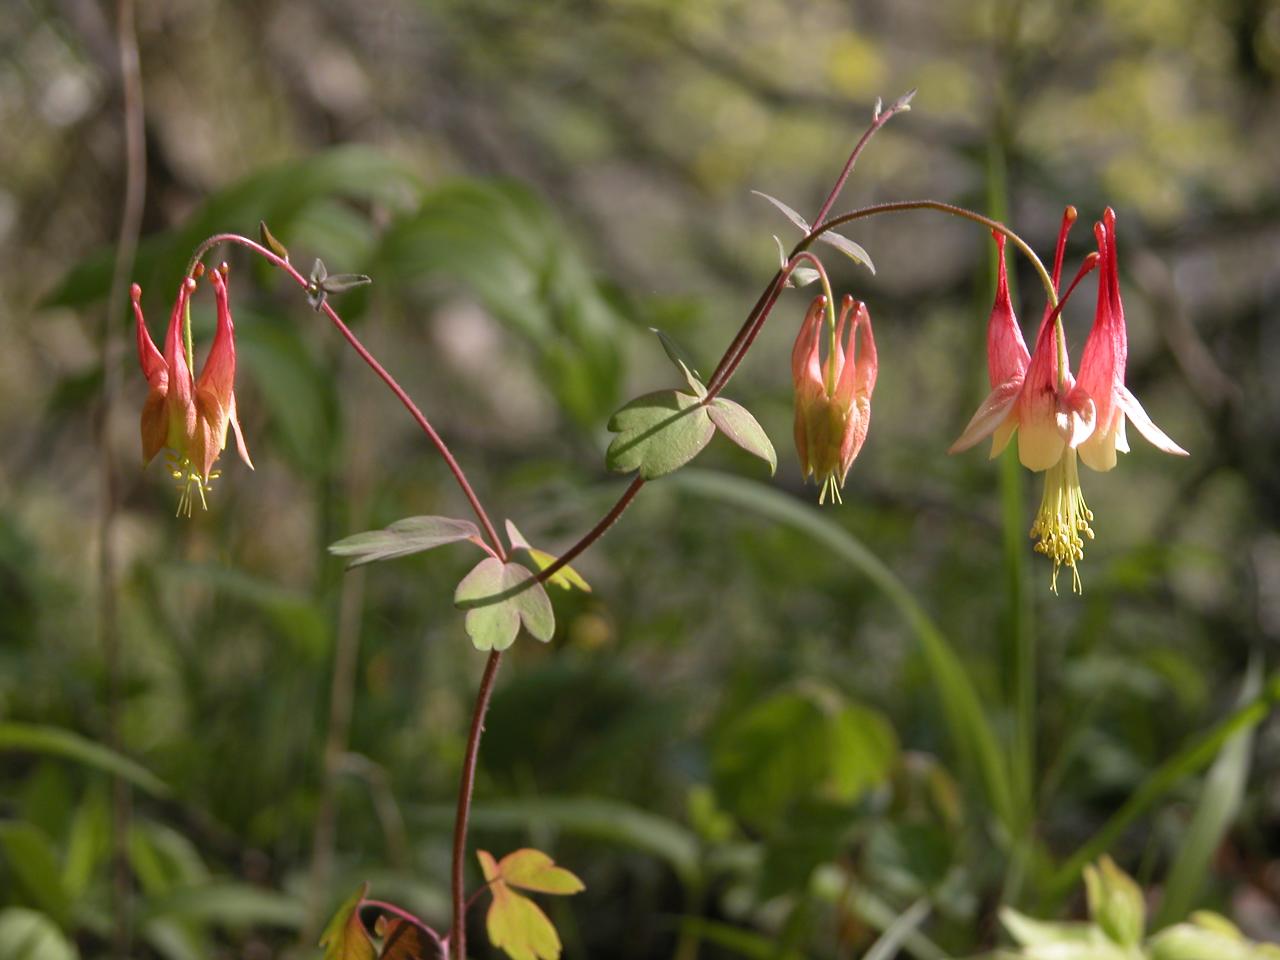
column 770, row 730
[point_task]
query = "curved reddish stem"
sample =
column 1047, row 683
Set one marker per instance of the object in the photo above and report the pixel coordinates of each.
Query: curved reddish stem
column 441, row 447
column 458, row 935
column 407, row 917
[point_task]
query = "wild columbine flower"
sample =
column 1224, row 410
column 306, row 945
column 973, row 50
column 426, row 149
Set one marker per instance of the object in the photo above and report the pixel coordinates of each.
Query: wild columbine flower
column 1036, row 396
column 833, row 398
column 1054, row 415
column 189, row 416
column 1103, row 362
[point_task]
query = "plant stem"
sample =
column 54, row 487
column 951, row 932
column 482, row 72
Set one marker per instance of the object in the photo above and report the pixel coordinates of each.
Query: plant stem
column 458, row 935
column 878, row 121
column 441, row 447
column 108, row 621
column 596, row 532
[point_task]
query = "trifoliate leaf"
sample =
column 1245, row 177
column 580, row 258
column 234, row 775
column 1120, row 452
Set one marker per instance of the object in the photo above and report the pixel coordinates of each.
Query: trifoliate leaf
column 736, row 422
column 566, row 577
column 850, row 249
column 404, row 537
column 499, row 598
column 790, row 214
column 345, row 938
column 515, row 923
column 658, row 433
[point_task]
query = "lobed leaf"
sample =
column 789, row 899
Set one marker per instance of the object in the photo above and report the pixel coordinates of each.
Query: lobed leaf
column 499, row 598
column 515, row 923
column 736, row 422
column 658, row 433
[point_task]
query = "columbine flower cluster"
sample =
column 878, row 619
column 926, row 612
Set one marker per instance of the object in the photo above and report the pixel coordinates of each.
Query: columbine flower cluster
column 186, row 415
column 1057, row 418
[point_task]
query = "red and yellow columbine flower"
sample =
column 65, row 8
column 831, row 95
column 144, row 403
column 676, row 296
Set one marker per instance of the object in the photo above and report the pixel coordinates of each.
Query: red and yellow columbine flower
column 1103, row 362
column 833, row 398
column 1036, row 396
column 189, row 416
column 1055, row 416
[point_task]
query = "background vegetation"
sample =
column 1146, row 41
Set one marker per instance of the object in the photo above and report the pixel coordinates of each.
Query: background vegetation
column 770, row 730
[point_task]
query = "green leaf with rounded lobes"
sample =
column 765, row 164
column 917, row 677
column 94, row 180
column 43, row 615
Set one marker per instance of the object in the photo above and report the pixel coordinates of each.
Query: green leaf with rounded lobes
column 499, row 598
column 658, row 433
column 345, row 938
column 403, row 538
column 531, row 869
column 515, row 923
column 736, row 422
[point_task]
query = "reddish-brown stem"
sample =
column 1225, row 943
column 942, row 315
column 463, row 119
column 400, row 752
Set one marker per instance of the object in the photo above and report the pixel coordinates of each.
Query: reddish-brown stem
column 441, row 447
column 878, row 121
column 596, row 532
column 458, row 935
column 407, row 917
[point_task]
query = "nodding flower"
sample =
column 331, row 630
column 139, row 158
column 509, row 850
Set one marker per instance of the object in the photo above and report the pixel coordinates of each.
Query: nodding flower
column 1054, row 416
column 186, row 415
column 833, row 396
column 1102, row 366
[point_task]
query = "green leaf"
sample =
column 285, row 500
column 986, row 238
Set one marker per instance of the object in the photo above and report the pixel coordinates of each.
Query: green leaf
column 1029, row 932
column 58, row 742
column 515, row 923
column 30, row 935
column 229, row 904
column 345, row 938
column 531, row 869
column 1218, row 805
column 500, row 597
column 1160, row 781
column 787, row 212
column 403, row 538
column 566, row 577
column 736, row 422
column 682, row 362
column 971, row 733
column 1116, row 903
column 32, row 860
column 1187, row 941
column 658, row 433
column 805, row 744
column 505, row 245
column 850, row 249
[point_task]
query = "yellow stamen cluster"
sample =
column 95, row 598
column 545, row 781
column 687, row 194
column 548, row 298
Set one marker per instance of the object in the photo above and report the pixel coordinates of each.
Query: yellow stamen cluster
column 188, row 478
column 1062, row 524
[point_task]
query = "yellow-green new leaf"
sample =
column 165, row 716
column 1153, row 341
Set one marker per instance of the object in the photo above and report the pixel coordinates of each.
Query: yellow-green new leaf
column 532, row 869
column 345, row 937
column 516, row 924
column 566, row 577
